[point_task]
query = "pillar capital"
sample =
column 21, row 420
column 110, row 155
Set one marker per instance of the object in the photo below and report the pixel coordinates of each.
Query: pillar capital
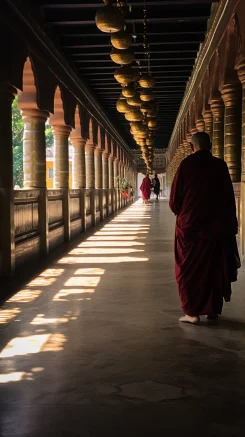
column 89, row 146
column 200, row 125
column 217, row 107
column 188, row 137
column 98, row 151
column 241, row 72
column 230, row 94
column 33, row 114
column 207, row 115
column 194, row 131
column 63, row 130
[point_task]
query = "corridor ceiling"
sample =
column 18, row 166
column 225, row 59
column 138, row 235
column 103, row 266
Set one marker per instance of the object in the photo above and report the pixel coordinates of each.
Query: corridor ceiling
column 175, row 30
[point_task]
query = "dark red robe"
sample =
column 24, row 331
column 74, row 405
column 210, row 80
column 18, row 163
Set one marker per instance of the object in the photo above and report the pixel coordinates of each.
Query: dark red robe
column 145, row 188
column 202, row 198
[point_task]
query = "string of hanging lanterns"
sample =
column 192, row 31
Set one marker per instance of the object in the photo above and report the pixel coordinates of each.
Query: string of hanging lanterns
column 137, row 101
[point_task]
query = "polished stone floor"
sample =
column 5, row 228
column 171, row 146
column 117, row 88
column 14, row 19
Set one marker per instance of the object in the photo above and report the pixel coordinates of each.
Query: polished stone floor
column 92, row 346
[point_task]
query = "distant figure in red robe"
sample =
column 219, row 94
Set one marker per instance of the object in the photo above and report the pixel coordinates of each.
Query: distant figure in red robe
column 145, row 188
column 206, row 254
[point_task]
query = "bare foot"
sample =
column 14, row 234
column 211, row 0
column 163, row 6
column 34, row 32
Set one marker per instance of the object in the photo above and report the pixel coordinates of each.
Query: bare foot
column 189, row 319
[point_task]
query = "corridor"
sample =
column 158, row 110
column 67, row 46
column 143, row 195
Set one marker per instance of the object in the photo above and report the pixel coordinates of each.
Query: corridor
column 92, row 346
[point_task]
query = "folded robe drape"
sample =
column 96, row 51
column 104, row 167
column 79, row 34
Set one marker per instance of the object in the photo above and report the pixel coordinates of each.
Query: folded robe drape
column 145, row 188
column 202, row 198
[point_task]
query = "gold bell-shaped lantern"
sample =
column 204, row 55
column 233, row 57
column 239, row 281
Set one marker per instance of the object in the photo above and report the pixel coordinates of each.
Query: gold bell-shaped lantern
column 147, row 81
column 121, row 40
column 109, row 18
column 146, row 95
column 128, row 91
column 134, row 115
column 122, row 57
column 122, row 106
column 126, row 75
column 135, row 100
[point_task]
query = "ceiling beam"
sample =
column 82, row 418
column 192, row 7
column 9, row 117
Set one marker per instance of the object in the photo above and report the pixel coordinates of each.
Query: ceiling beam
column 138, row 4
column 135, row 20
column 94, row 46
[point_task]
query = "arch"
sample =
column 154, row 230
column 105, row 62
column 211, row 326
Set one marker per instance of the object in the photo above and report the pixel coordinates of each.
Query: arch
column 101, row 137
column 229, row 49
column 93, row 131
column 58, row 117
column 27, row 98
column 215, row 76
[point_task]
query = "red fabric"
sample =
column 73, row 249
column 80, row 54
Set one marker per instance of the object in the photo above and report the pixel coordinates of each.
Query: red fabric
column 203, row 200
column 145, row 188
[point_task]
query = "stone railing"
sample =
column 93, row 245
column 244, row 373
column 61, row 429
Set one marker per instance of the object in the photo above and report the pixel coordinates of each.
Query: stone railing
column 67, row 213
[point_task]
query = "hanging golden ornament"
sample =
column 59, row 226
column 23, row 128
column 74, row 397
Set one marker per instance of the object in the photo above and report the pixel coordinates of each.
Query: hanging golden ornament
column 126, row 75
column 149, row 141
column 122, row 57
column 146, row 95
column 121, row 40
column 136, row 126
column 134, row 101
column 152, row 122
column 146, row 107
column 147, row 81
column 109, row 19
column 128, row 91
column 122, row 106
column 134, row 115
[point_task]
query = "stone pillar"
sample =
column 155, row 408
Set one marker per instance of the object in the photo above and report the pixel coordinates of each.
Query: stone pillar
column 34, row 163
column 90, row 177
column 99, row 177
column 105, row 171
column 61, row 156
column 217, row 108
column 116, row 182
column 79, row 172
column 61, row 171
column 78, row 162
column 232, row 131
column 7, row 228
column 241, row 75
column 111, row 172
column 200, row 125
column 34, row 150
column 208, row 119
column 111, row 182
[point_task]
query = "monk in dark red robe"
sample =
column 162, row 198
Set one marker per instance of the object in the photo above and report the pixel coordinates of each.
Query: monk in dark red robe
column 202, row 198
column 145, row 189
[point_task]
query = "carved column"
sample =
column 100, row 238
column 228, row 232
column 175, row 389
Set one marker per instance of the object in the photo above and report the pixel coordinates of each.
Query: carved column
column 78, row 162
column 34, row 150
column 61, row 171
column 90, row 176
column 61, row 156
column 241, row 75
column 232, row 131
column 99, row 177
column 217, row 108
column 105, row 171
column 208, row 119
column 79, row 171
column 116, row 182
column 200, row 125
column 111, row 181
column 7, row 229
column 34, row 161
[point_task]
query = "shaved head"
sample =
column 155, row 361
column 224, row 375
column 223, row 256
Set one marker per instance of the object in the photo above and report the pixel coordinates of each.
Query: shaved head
column 201, row 141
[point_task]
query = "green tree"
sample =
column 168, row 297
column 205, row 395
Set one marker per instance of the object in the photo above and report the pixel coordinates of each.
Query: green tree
column 17, row 131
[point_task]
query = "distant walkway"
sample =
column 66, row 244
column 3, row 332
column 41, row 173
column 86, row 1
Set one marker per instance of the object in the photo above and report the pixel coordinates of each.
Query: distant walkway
column 92, row 347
